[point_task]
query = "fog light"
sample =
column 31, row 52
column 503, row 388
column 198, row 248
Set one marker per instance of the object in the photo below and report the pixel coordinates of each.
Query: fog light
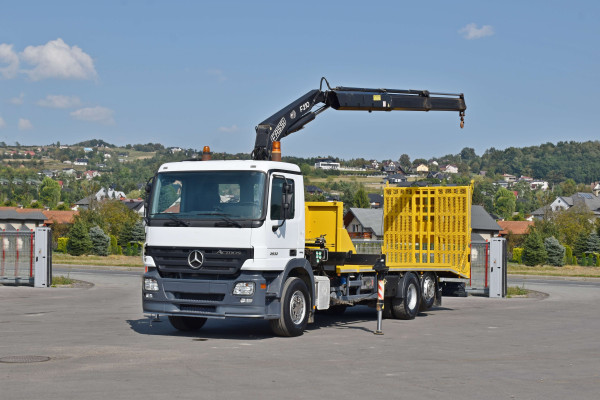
column 244, row 289
column 150, row 284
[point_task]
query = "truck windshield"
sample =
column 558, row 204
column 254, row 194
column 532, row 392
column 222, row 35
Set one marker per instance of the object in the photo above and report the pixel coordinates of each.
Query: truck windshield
column 230, row 195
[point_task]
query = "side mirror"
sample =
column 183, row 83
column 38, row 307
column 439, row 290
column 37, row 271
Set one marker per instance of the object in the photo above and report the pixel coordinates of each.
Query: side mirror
column 148, row 190
column 286, row 201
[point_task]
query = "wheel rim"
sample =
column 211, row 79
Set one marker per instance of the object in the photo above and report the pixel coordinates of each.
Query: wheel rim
column 411, row 297
column 428, row 288
column 297, row 307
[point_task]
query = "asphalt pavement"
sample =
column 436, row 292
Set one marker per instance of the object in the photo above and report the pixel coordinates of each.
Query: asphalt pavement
column 98, row 345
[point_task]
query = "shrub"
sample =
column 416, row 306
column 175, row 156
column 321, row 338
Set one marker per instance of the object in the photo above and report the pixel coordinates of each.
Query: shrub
column 62, row 244
column 555, row 251
column 100, row 241
column 113, row 249
column 568, row 255
column 518, row 255
column 534, row 252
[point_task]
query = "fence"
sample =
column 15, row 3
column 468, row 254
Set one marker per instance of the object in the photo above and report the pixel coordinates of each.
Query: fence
column 367, row 246
column 479, row 267
column 17, row 259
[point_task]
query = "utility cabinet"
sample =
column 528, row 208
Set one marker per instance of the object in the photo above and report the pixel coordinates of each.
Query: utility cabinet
column 42, row 255
column 497, row 267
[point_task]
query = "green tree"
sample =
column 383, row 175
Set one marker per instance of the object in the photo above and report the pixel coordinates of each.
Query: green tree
column 534, row 252
column 79, row 239
column 572, row 222
column 138, row 233
column 504, row 203
column 50, row 192
column 593, row 243
column 580, row 244
column 555, row 251
column 361, row 199
column 100, row 241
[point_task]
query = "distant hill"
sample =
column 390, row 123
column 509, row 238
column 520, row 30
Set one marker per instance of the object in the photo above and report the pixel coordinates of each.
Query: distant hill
column 94, row 143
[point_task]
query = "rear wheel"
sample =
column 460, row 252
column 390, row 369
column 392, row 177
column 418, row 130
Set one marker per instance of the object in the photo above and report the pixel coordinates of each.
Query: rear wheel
column 295, row 306
column 428, row 289
column 186, row 324
column 408, row 306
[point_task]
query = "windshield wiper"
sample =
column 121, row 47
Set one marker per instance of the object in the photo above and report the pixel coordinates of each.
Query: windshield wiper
column 224, row 217
column 176, row 220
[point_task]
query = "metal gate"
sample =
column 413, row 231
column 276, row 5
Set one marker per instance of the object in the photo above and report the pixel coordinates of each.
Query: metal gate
column 479, row 281
column 17, row 262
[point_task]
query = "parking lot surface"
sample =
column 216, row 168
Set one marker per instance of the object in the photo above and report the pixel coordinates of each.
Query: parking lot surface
column 99, row 345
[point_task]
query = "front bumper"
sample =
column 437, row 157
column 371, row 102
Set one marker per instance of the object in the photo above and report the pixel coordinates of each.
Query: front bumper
column 210, row 298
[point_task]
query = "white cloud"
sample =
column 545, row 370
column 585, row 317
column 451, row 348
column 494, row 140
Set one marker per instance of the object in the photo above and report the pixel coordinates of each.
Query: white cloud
column 471, row 31
column 24, row 124
column 98, row 114
column 59, row 101
column 17, row 101
column 2, row 123
column 8, row 56
column 56, row 59
column 228, row 129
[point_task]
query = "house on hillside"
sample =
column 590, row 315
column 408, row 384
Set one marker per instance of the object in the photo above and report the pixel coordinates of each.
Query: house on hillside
column 364, row 223
column 81, row 161
column 422, row 169
column 515, row 227
column 312, row 189
column 136, row 205
column 450, row 169
column 587, row 200
column 395, row 178
column 326, row 164
column 375, row 200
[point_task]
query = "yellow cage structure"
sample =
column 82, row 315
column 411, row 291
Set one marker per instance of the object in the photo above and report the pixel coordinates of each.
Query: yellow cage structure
column 428, row 228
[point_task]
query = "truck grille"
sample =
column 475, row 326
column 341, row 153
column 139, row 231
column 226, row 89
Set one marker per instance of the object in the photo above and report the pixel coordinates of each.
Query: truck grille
column 204, row 297
column 197, row 309
column 173, row 261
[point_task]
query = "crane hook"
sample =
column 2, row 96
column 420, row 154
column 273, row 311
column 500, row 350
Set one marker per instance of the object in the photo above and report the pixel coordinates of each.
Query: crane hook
column 462, row 119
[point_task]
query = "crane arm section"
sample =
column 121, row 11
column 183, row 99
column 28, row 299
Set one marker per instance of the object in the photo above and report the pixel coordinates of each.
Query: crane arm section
column 297, row 114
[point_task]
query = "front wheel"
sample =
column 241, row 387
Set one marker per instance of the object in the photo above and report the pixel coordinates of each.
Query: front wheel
column 295, row 306
column 186, row 324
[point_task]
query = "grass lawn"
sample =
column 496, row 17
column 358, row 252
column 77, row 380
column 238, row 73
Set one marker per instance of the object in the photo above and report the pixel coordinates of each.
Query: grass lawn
column 112, row 260
column 566, row 271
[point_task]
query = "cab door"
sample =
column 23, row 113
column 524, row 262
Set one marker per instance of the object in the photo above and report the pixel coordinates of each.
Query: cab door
column 285, row 238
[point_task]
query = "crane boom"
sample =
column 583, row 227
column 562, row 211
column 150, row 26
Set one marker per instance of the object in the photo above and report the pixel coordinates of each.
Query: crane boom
column 298, row 113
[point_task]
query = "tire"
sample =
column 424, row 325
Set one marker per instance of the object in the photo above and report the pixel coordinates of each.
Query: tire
column 295, row 307
column 408, row 306
column 187, row 324
column 428, row 290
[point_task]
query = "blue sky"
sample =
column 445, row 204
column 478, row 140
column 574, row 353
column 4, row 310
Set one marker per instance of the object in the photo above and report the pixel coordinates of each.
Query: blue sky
column 192, row 73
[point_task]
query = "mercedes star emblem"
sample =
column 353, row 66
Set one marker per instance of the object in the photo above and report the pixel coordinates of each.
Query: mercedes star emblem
column 195, row 259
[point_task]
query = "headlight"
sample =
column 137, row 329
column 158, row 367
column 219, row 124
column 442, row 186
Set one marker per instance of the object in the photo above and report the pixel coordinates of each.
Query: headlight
column 150, row 285
column 244, row 289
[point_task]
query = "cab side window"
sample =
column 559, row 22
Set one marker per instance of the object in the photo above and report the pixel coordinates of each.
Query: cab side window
column 277, row 197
